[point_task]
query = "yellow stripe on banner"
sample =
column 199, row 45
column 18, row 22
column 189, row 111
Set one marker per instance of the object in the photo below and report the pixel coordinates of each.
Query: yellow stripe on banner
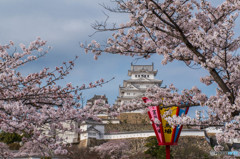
column 167, row 129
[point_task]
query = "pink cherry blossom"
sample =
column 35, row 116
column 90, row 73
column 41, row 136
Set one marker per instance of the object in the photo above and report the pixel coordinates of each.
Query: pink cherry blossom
column 198, row 33
column 35, row 106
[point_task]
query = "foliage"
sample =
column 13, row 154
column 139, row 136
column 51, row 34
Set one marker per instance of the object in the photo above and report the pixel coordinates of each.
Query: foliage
column 154, row 149
column 191, row 147
column 14, row 146
column 9, row 138
column 197, row 33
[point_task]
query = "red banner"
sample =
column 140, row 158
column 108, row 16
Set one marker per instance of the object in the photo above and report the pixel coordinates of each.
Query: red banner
column 166, row 134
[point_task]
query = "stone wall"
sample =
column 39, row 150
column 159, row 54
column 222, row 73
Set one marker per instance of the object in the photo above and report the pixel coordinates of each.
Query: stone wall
column 134, row 118
column 123, row 127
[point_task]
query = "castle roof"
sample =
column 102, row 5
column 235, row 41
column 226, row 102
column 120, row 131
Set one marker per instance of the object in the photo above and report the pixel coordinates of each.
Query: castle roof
column 96, row 97
column 142, row 69
column 142, row 77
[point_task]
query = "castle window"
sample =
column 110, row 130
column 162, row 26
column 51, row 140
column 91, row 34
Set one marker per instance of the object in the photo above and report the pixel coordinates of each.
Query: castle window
column 147, row 75
column 136, row 76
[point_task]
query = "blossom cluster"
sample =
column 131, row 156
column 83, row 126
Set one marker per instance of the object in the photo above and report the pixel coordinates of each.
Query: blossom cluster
column 114, row 149
column 195, row 32
column 35, row 106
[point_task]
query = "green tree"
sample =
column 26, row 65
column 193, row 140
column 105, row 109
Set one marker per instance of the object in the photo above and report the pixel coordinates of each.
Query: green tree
column 10, row 138
column 154, row 149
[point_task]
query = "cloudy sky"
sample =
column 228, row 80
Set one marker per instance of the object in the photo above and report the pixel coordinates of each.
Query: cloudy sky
column 65, row 24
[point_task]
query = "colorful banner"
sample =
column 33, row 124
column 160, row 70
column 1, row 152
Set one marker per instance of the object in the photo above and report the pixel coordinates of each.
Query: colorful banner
column 182, row 111
column 168, row 130
column 166, row 134
column 154, row 115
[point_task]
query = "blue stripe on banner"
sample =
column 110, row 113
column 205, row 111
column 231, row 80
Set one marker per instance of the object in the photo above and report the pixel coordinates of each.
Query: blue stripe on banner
column 181, row 111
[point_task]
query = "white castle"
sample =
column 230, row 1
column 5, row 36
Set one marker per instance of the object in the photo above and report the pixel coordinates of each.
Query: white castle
column 142, row 77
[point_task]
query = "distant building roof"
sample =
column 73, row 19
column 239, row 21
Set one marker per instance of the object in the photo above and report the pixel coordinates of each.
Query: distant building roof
column 97, row 97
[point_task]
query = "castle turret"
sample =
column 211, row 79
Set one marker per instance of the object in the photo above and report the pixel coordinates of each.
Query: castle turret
column 141, row 78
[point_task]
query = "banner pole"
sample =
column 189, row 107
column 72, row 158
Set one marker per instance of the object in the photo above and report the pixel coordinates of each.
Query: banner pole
column 167, row 151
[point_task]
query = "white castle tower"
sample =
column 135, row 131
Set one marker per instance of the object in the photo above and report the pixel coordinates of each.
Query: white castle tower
column 142, row 77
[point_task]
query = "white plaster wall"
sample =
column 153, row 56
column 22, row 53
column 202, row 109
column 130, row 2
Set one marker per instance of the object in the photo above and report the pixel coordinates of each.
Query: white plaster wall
column 83, row 136
column 192, row 133
column 145, row 85
column 127, row 94
column 133, row 76
column 83, row 127
column 213, row 130
column 131, row 94
column 128, row 135
column 236, row 140
column 67, row 136
column 151, row 76
column 110, row 121
column 143, row 135
column 115, row 121
column 73, row 136
column 70, row 137
column 68, row 123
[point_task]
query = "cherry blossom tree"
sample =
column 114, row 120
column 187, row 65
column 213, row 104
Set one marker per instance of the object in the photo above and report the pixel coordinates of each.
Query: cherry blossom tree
column 114, row 149
column 4, row 151
column 195, row 32
column 35, row 106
